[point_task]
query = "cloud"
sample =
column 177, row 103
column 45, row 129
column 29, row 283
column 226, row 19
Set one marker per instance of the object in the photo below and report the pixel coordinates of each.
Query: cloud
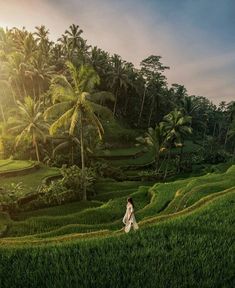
column 136, row 29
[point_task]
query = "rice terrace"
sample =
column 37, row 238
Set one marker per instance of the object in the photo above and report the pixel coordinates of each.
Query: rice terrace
column 111, row 173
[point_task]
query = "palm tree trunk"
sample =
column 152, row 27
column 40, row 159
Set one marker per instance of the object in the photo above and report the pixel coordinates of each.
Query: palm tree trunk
column 181, row 156
column 3, row 115
column 151, row 112
column 25, row 92
column 126, row 104
column 13, row 93
column 226, row 138
column 204, row 136
column 157, row 157
column 83, row 186
column 160, row 166
column 142, row 105
column 167, row 163
column 214, row 130
column 35, row 144
column 18, row 88
column 34, row 92
column 220, row 132
column 115, row 103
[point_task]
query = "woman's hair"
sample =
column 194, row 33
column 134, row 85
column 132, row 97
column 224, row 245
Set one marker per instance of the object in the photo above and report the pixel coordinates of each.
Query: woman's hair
column 130, row 200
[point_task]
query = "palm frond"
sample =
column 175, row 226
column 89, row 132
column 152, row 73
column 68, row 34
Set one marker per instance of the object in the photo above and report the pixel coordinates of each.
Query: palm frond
column 102, row 111
column 102, row 97
column 74, row 121
column 62, row 121
column 57, row 109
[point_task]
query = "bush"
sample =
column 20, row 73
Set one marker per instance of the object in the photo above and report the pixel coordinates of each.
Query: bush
column 9, row 197
column 55, row 193
column 72, row 179
column 216, row 157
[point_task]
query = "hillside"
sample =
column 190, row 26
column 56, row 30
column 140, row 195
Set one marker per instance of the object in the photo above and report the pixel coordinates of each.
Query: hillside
column 186, row 234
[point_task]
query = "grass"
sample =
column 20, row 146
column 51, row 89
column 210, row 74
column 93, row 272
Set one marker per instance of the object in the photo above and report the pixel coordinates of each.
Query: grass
column 161, row 199
column 62, row 210
column 199, row 187
column 131, row 151
column 145, row 159
column 186, row 238
column 106, row 213
column 31, row 181
column 9, row 165
column 194, row 250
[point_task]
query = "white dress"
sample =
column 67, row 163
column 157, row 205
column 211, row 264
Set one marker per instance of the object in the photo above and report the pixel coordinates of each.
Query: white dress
column 129, row 218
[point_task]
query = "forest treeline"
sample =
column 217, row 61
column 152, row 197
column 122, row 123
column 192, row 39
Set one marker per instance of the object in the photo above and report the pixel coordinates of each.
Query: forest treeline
column 40, row 77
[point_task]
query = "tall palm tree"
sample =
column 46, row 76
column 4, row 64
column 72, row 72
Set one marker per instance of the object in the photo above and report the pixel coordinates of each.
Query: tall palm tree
column 16, row 68
column 75, row 47
column 151, row 72
column 28, row 48
column 230, row 116
column 29, row 122
column 99, row 60
column 68, row 142
column 6, row 42
column 175, row 126
column 73, row 106
column 42, row 74
column 118, row 78
column 42, row 40
column 74, row 36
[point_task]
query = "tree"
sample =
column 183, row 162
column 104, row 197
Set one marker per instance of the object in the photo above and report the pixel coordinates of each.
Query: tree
column 154, row 81
column 42, row 41
column 118, row 78
column 29, row 122
column 68, row 142
column 73, row 106
column 155, row 139
column 230, row 116
column 176, row 127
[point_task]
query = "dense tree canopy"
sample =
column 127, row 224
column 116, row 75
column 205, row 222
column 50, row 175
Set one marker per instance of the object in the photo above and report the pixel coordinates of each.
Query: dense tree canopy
column 33, row 66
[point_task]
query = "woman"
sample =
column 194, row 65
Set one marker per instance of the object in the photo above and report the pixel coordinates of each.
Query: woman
column 129, row 217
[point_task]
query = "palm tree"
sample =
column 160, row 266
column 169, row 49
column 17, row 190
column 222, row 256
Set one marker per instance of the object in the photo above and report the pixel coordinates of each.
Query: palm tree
column 75, row 47
column 180, row 93
column 29, row 121
column 6, row 42
column 74, row 36
column 155, row 139
column 16, row 68
column 118, row 78
column 73, row 106
column 230, row 111
column 99, row 60
column 28, row 48
column 43, row 42
column 42, row 74
column 151, row 72
column 69, row 142
column 175, row 126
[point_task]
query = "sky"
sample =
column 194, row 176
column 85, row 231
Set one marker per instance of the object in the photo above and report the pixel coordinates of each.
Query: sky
column 194, row 37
